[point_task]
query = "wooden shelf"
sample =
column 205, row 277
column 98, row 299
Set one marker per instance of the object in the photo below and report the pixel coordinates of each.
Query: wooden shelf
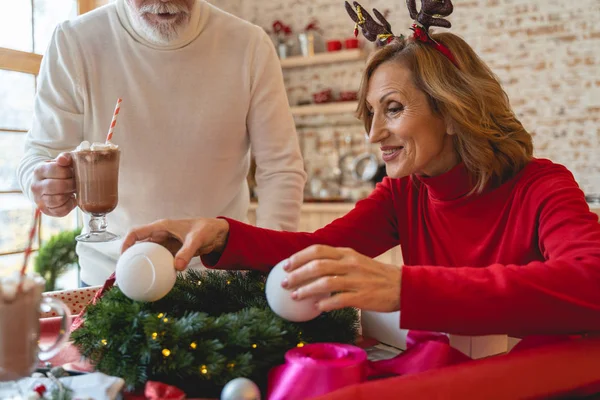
column 341, row 107
column 324, row 58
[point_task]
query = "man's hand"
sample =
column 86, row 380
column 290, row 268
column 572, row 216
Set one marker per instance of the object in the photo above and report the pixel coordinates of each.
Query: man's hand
column 184, row 237
column 53, row 186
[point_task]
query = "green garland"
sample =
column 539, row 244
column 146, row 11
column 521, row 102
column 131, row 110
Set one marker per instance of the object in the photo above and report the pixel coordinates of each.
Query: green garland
column 212, row 327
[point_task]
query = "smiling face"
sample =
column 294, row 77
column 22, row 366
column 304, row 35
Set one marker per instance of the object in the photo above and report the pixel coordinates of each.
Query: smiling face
column 412, row 137
column 160, row 20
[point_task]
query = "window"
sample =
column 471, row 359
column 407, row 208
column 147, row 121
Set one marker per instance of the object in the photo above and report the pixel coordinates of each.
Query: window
column 25, row 31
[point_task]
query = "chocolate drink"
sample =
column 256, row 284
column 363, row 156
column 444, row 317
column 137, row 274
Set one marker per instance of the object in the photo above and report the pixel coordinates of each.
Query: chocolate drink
column 19, row 332
column 97, row 179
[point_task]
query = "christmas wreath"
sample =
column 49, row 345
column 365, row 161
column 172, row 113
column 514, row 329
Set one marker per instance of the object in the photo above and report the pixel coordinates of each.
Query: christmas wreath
column 213, row 326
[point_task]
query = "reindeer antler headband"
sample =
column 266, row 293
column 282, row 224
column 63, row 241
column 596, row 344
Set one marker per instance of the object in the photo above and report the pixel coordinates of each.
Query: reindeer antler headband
column 432, row 13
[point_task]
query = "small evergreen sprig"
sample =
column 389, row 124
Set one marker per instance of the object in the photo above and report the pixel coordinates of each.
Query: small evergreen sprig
column 56, row 256
column 213, row 326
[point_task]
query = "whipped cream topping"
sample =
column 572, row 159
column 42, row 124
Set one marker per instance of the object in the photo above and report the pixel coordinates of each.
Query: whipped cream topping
column 10, row 283
column 96, row 146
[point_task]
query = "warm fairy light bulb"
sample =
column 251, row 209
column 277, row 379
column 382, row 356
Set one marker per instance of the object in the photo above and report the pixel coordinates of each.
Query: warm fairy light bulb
column 199, row 283
column 166, row 320
column 230, row 365
column 154, row 335
column 166, row 352
column 228, row 282
column 203, row 369
column 193, row 345
column 301, row 344
column 104, row 342
column 160, row 315
column 254, row 345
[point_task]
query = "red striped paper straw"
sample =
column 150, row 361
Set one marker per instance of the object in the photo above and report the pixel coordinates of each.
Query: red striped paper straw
column 114, row 121
column 29, row 249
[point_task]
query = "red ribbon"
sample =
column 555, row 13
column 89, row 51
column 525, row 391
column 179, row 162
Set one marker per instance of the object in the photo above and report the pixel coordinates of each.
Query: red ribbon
column 109, row 283
column 422, row 35
column 161, row 391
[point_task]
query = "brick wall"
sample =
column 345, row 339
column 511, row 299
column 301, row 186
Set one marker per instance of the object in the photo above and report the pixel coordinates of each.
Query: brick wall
column 546, row 53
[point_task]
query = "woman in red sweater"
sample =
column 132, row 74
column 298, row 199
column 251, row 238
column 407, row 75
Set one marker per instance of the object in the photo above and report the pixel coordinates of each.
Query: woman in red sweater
column 494, row 241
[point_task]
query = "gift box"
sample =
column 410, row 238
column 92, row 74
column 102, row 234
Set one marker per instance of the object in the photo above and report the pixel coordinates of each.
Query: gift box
column 385, row 327
column 75, row 299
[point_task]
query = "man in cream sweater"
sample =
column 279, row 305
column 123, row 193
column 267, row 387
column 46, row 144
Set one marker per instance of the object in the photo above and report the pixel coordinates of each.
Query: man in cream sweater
column 200, row 88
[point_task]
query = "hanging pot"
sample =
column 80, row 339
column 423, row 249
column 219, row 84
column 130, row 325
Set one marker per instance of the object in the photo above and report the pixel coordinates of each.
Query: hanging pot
column 366, row 165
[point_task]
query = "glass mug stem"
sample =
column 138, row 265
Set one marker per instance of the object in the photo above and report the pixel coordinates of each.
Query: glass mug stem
column 97, row 232
column 98, row 223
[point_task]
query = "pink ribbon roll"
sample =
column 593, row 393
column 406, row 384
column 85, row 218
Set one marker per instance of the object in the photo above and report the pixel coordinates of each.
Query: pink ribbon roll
column 317, row 369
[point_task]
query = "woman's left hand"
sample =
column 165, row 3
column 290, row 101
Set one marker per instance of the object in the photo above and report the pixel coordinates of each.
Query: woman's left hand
column 353, row 279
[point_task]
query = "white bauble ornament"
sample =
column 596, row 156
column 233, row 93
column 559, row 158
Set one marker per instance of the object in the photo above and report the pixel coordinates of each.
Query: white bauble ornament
column 146, row 272
column 281, row 302
column 240, row 389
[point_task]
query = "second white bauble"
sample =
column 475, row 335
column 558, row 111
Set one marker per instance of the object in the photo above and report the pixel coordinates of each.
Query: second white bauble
column 240, row 389
column 281, row 302
column 146, row 272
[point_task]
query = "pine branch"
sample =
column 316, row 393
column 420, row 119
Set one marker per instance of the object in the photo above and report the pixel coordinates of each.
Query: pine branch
column 212, row 327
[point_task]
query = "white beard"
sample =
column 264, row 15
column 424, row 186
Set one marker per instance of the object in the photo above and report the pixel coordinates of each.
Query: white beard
column 162, row 32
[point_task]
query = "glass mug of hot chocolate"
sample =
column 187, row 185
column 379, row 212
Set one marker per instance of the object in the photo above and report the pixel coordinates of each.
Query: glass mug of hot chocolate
column 20, row 326
column 96, row 170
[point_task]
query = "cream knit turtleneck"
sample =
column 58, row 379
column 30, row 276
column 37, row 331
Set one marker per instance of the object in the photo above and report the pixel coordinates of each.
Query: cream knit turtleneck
column 191, row 112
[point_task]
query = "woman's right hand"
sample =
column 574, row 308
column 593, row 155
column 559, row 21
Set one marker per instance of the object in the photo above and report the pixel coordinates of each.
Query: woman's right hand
column 196, row 237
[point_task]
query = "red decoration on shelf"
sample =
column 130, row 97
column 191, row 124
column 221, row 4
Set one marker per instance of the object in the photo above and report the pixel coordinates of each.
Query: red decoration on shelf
column 334, row 45
column 324, row 96
column 281, row 28
column 281, row 31
column 349, row 95
column 352, row 43
column 312, row 26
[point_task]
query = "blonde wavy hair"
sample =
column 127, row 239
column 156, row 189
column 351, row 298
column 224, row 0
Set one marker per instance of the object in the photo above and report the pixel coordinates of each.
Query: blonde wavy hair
column 489, row 139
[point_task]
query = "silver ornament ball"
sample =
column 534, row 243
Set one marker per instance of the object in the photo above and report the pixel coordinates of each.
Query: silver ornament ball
column 240, row 389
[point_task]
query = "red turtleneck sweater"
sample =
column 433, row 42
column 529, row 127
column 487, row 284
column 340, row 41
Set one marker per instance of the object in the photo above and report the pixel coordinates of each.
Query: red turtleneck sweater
column 523, row 258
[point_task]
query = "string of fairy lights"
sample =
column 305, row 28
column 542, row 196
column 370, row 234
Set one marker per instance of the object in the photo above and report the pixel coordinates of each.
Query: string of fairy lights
column 193, row 345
